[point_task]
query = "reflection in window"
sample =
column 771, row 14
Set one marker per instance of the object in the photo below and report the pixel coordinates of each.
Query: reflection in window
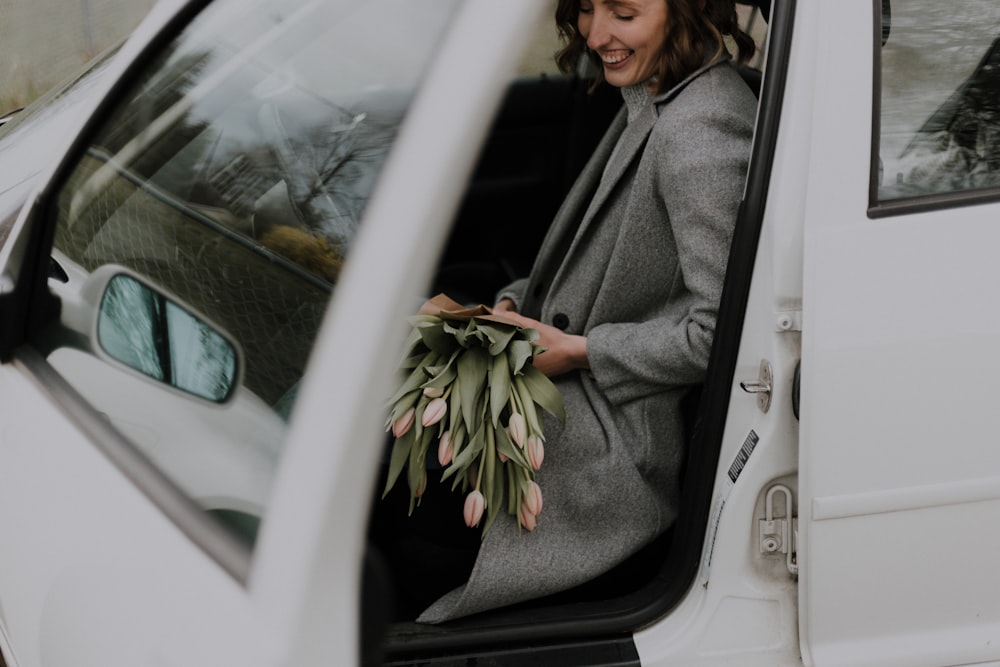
column 940, row 125
column 233, row 177
column 149, row 333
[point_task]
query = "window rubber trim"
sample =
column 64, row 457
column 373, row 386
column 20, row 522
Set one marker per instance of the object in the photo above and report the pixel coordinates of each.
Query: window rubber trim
column 619, row 652
column 923, row 203
column 875, row 160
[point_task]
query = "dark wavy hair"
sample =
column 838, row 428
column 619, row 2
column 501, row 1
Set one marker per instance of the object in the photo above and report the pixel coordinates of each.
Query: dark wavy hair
column 693, row 28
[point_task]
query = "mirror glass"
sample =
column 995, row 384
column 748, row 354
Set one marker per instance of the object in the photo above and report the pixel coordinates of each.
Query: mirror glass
column 148, row 332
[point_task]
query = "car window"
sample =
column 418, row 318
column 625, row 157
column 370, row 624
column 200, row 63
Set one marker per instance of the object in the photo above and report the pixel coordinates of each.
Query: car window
column 754, row 22
column 212, row 214
column 538, row 58
column 940, row 98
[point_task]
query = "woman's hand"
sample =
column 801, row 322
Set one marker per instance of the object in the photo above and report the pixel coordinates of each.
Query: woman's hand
column 505, row 306
column 564, row 352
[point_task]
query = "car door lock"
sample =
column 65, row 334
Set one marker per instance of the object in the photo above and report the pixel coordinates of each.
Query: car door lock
column 779, row 535
column 761, row 386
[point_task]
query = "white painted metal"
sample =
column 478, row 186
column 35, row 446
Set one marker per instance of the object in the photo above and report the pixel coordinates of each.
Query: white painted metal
column 92, row 572
column 898, row 475
column 742, row 609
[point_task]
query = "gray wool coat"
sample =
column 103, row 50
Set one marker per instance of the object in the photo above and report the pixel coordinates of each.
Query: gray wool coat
column 635, row 261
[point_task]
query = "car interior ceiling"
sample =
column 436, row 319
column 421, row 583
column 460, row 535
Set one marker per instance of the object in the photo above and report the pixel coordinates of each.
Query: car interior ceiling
column 543, row 135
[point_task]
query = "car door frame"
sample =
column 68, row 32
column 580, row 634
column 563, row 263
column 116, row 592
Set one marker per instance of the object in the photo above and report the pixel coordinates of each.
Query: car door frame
column 303, row 578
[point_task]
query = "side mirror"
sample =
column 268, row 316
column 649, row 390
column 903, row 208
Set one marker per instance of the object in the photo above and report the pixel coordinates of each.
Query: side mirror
column 143, row 329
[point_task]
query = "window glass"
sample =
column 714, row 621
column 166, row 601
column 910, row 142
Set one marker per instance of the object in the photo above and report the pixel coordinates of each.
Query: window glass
column 539, row 57
column 754, row 23
column 940, row 98
column 201, row 234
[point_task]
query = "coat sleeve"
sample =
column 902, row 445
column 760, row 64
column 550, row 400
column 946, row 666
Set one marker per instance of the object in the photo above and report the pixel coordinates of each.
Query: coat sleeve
column 514, row 292
column 702, row 153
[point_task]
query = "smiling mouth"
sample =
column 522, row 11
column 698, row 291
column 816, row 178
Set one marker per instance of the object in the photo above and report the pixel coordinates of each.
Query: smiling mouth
column 615, row 57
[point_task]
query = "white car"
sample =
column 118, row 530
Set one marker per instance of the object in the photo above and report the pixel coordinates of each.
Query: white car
column 212, row 244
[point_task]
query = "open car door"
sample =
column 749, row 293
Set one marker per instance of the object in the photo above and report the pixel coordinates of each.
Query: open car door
column 900, row 475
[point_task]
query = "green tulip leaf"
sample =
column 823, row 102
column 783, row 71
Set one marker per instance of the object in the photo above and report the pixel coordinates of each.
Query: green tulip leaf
column 472, row 367
column 507, row 447
column 527, row 403
column 499, row 387
column 413, row 381
column 457, row 442
column 444, row 376
column 513, row 492
column 413, row 344
column 436, row 338
column 518, row 353
column 498, row 336
column 400, row 453
column 455, row 418
column 544, row 392
column 414, row 360
column 489, row 463
column 403, row 404
column 468, row 453
column 422, row 402
column 495, row 499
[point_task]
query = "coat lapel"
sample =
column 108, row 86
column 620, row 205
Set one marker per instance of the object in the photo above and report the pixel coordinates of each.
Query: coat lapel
column 633, row 140
column 560, row 235
column 626, row 149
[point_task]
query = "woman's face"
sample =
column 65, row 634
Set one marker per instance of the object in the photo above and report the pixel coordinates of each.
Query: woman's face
column 628, row 35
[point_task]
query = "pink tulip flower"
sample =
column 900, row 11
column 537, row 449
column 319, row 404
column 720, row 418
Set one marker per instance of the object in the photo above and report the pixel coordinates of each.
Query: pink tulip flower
column 446, row 449
column 533, row 498
column 475, row 503
column 517, row 429
column 434, row 412
column 404, row 423
column 536, row 451
column 527, row 519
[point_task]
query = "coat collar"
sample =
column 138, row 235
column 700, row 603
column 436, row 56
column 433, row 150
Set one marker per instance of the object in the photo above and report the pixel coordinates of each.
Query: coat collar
column 709, row 62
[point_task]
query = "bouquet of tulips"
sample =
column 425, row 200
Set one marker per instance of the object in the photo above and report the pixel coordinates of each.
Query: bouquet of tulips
column 468, row 388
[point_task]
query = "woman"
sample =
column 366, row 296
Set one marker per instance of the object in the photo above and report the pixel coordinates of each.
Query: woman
column 625, row 292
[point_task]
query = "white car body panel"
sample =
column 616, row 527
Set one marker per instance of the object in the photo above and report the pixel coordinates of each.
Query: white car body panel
column 898, row 483
column 99, row 593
